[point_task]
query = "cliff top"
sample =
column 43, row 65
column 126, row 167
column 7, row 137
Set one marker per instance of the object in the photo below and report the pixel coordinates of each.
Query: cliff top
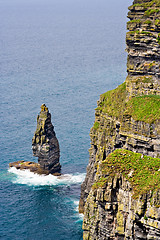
column 142, row 108
column 145, row 3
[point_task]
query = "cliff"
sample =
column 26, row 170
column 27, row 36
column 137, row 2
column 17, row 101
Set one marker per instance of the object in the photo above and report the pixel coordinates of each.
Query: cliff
column 128, row 119
column 124, row 201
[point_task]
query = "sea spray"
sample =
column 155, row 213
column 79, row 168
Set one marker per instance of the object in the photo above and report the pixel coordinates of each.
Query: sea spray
column 80, row 215
column 33, row 179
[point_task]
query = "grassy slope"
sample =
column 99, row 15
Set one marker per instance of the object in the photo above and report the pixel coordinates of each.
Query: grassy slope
column 142, row 108
column 143, row 172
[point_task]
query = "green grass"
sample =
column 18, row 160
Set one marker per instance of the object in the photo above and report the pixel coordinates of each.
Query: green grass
column 146, row 33
column 155, row 3
column 135, row 21
column 140, row 33
column 157, row 22
column 96, row 125
column 145, row 218
column 144, row 108
column 113, row 102
column 148, row 22
column 150, row 12
column 145, row 170
column 100, row 184
column 158, row 39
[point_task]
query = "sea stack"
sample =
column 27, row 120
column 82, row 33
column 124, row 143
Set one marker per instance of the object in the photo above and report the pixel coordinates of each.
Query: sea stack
column 45, row 145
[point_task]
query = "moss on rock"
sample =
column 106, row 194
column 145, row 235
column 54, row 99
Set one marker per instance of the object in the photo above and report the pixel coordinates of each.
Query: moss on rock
column 143, row 172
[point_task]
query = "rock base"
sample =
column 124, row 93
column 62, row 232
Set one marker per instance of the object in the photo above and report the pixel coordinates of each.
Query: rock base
column 32, row 167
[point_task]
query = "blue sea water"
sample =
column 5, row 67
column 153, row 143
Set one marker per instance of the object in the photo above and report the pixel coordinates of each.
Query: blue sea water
column 63, row 53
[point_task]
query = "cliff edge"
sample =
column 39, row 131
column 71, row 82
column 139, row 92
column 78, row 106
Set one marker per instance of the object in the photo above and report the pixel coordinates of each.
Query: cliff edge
column 127, row 124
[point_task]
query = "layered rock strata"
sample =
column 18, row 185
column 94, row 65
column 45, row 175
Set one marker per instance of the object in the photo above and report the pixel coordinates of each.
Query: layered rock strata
column 45, row 144
column 124, row 201
column 123, row 127
column 143, row 47
column 127, row 118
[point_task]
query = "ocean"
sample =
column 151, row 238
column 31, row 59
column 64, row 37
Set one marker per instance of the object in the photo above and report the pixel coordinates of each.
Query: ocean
column 63, row 53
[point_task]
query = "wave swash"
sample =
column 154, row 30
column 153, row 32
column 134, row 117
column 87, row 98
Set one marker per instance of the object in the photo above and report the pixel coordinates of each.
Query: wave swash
column 34, row 179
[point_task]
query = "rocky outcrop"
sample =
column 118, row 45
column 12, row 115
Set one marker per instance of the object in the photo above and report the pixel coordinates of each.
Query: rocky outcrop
column 45, row 145
column 32, row 167
column 127, row 118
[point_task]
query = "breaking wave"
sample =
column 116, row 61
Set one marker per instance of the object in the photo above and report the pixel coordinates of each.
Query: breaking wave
column 80, row 215
column 34, row 179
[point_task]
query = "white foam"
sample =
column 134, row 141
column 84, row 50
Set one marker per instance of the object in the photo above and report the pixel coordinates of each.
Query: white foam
column 76, row 203
column 34, row 179
column 80, row 215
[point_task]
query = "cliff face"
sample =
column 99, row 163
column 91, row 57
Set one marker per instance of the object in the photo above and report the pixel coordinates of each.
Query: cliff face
column 143, row 47
column 45, row 145
column 112, row 213
column 127, row 118
column 124, row 201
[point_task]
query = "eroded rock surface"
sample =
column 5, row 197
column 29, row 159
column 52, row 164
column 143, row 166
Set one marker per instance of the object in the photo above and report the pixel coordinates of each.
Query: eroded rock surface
column 45, row 144
column 112, row 213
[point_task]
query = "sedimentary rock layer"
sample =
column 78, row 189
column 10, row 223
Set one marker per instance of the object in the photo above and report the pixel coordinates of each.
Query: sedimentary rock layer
column 143, row 47
column 120, row 208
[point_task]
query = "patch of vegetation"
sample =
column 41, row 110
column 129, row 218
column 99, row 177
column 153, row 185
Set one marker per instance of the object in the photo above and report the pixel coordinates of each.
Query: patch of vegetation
column 146, row 33
column 135, row 21
column 158, row 39
column 155, row 3
column 145, row 218
column 100, row 184
column 144, row 79
column 133, row 32
column 157, row 22
column 140, row 33
column 113, row 101
column 148, row 22
column 150, row 12
column 141, row 171
column 144, row 108
column 96, row 125
column 152, row 64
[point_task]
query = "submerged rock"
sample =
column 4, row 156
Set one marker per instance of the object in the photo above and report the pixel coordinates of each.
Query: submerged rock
column 45, row 145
